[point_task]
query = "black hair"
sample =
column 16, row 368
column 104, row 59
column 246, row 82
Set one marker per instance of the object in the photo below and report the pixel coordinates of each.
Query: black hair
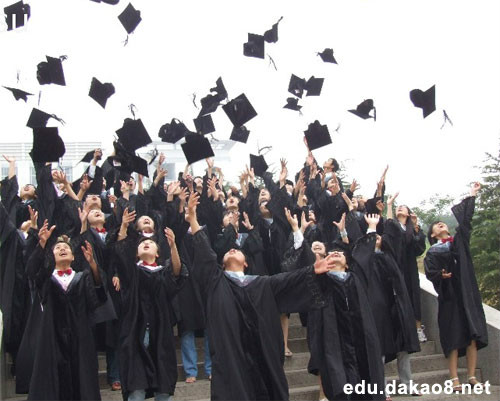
column 335, row 163
column 430, row 238
column 65, row 240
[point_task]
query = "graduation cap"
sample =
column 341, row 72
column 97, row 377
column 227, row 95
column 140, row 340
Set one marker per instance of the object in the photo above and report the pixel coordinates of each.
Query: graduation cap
column 204, row 124
column 48, row 146
column 314, row 86
column 51, row 71
column 39, row 118
column 240, row 134
column 19, row 94
column 292, row 103
column 296, row 86
column 259, row 165
column 196, row 148
column 19, row 10
column 133, row 134
column 239, row 110
column 101, row 92
column 128, row 162
column 271, row 36
column 112, row 2
column 220, row 89
column 130, row 18
column 255, row 46
column 327, row 56
column 174, row 131
column 209, row 104
column 425, row 100
column 363, row 110
column 317, row 135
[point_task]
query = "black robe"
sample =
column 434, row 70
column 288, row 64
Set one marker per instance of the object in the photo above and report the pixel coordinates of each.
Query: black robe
column 245, row 336
column 65, row 361
column 342, row 336
column 146, row 302
column 461, row 316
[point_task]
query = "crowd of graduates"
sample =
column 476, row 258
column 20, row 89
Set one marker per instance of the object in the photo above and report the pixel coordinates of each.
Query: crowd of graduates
column 106, row 265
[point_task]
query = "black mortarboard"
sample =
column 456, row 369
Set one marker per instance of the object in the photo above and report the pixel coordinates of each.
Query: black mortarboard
column 39, row 118
column 19, row 94
column 196, row 148
column 363, row 110
column 209, row 104
column 129, row 162
column 220, row 89
column 317, row 135
column 296, row 86
column 425, row 100
column 19, row 10
column 130, row 18
column 88, row 156
column 112, row 2
column 133, row 134
column 292, row 103
column 50, row 72
column 259, row 165
column 48, row 146
column 204, row 124
column 101, row 92
column 255, row 46
column 271, row 36
column 314, row 86
column 240, row 134
column 327, row 56
column 173, row 131
column 239, row 110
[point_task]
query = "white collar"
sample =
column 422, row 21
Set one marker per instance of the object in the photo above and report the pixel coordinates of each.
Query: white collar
column 64, row 280
column 147, row 235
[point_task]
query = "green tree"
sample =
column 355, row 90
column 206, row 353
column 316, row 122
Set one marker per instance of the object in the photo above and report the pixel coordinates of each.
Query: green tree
column 437, row 208
column 485, row 240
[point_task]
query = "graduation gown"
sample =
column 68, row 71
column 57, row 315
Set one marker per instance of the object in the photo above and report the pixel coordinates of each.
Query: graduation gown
column 246, row 340
column 461, row 316
column 342, row 336
column 65, row 361
column 146, row 303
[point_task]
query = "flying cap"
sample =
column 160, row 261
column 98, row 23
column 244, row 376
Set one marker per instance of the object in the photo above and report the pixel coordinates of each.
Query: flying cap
column 204, row 124
column 255, row 46
column 130, row 18
column 48, row 146
column 39, row 118
column 239, row 110
column 296, row 86
column 19, row 94
column 112, row 2
column 425, row 100
column 172, row 132
column 128, row 162
column 88, row 156
column 259, row 165
column 16, row 13
column 271, row 36
column 133, row 134
column 363, row 110
column 240, row 134
column 196, row 148
column 314, row 86
column 317, row 135
column 292, row 103
column 327, row 56
column 51, row 71
column 220, row 89
column 101, row 92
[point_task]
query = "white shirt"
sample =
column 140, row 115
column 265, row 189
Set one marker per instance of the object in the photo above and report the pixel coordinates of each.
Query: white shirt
column 239, row 275
column 65, row 279
column 298, row 239
column 150, row 268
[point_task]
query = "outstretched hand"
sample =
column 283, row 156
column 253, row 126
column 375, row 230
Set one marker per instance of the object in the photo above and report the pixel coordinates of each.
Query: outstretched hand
column 88, row 253
column 372, row 221
column 246, row 222
column 44, row 233
column 169, row 234
column 474, row 189
column 292, row 220
column 340, row 224
column 324, row 265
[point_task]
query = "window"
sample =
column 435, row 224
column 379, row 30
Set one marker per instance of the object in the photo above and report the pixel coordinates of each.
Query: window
column 171, row 175
column 32, row 176
column 68, row 170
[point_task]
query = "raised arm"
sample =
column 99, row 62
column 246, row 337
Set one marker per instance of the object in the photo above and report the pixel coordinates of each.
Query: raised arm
column 174, row 253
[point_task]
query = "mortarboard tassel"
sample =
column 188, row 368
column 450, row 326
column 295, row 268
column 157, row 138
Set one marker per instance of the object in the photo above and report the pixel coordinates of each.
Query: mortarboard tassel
column 125, row 42
column 337, row 130
column 194, row 100
column 133, row 109
column 154, row 154
column 18, row 73
column 374, row 114
column 58, row 119
column 63, row 57
column 266, row 148
column 272, row 61
column 39, row 97
column 446, row 119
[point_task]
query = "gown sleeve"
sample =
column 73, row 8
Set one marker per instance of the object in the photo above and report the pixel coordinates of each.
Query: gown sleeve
column 463, row 212
column 205, row 267
column 362, row 255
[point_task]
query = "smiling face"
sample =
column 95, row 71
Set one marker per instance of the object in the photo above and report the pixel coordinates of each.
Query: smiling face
column 402, row 211
column 63, row 254
column 318, row 248
column 93, row 202
column 96, row 217
column 232, row 202
column 439, row 230
column 338, row 257
column 147, row 250
column 145, row 224
column 27, row 192
column 234, row 260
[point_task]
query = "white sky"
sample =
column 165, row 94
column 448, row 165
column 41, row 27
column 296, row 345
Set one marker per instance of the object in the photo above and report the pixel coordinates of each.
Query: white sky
column 384, row 49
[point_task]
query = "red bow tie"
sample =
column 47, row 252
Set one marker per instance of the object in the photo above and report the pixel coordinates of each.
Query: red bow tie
column 101, row 230
column 149, row 264
column 61, row 273
column 449, row 239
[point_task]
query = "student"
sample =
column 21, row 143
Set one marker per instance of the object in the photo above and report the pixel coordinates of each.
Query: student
column 147, row 348
column 246, row 339
column 448, row 264
column 65, row 362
